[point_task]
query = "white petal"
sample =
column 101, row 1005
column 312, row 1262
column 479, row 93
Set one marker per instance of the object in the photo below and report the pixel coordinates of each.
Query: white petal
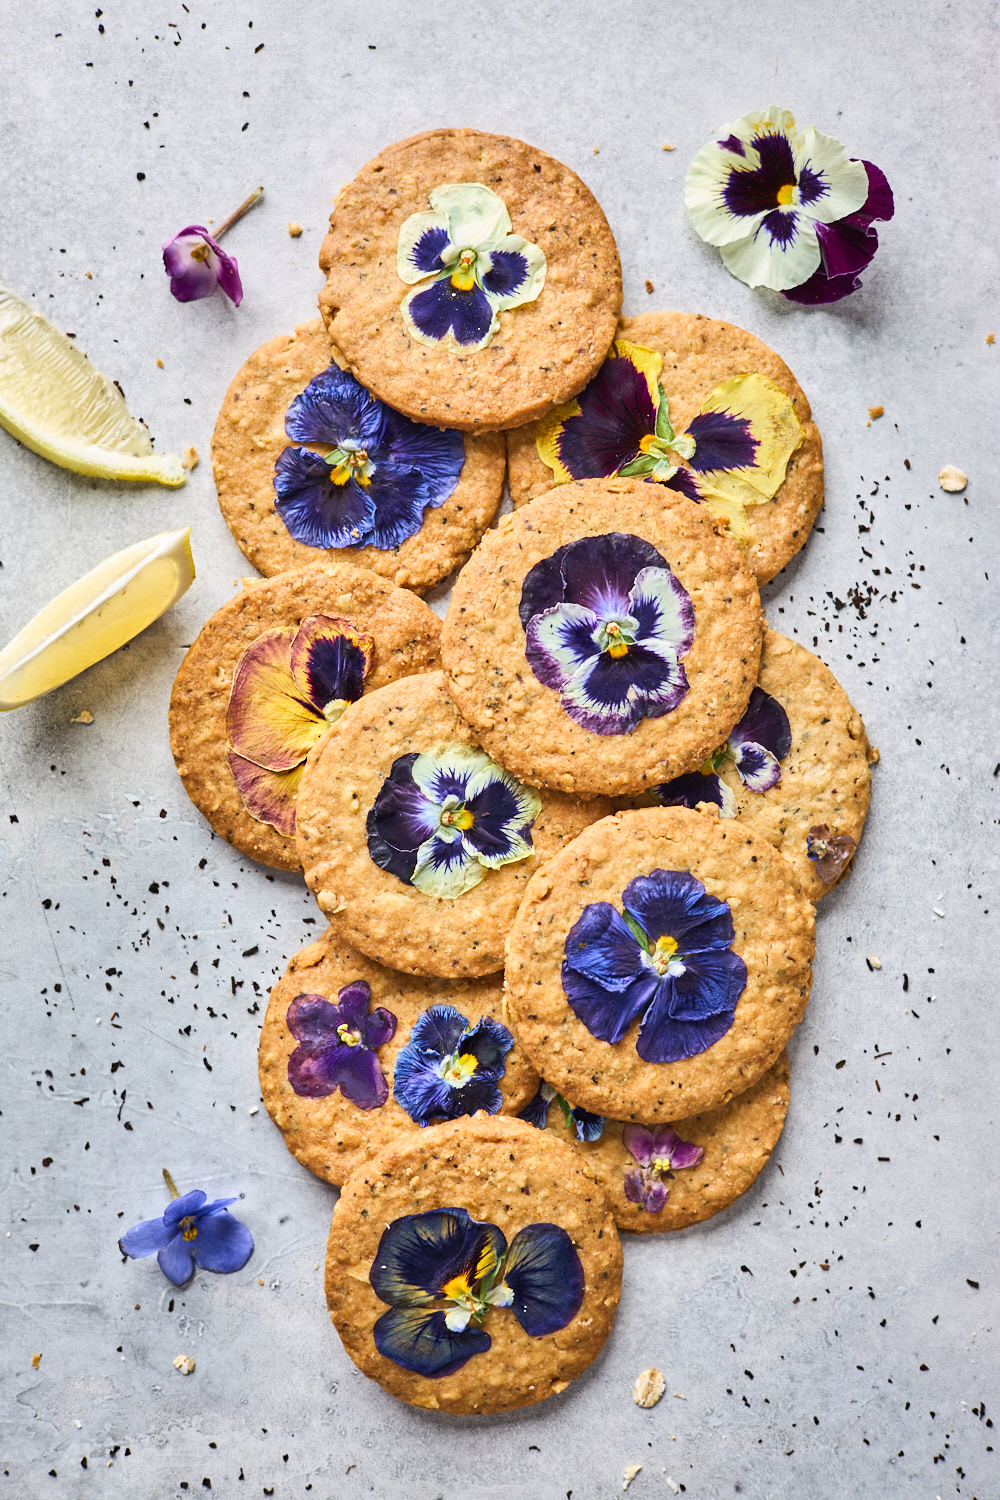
column 415, row 226
column 457, row 1319
column 529, row 289
column 709, row 174
column 846, row 181
column 476, row 217
column 457, row 760
column 759, row 261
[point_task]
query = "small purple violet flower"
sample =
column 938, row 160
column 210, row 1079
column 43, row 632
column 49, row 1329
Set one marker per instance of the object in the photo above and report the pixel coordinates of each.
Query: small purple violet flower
column 660, row 1152
column 338, row 1046
column 197, row 264
column 191, row 1232
column 828, row 852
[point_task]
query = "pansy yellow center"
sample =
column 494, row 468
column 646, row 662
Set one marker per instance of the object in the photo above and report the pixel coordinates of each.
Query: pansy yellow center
column 458, row 817
column 663, row 951
column 458, row 1289
column 786, row 195
column 353, row 464
column 201, row 251
column 464, row 278
column 349, row 1035
column 616, row 646
column 190, row 1230
column 671, row 451
column 460, row 1068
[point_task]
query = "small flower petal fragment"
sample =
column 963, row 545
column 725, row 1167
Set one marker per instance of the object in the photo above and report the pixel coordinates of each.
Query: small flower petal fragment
column 952, row 480
column 466, row 266
column 649, row 1387
column 829, row 852
column 338, row 1046
column 788, row 209
column 450, row 1067
column 191, row 1232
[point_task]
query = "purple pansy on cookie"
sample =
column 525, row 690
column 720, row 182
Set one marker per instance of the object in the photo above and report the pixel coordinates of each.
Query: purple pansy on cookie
column 668, row 958
column 441, row 1270
column 757, row 745
column 588, row 1126
column 338, row 1046
column 382, row 473
column 829, row 852
column 660, row 1153
column 606, row 624
column 449, row 1068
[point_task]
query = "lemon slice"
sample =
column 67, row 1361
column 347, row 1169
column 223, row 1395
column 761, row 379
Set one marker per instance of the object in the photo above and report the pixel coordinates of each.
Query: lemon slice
column 96, row 615
column 54, row 401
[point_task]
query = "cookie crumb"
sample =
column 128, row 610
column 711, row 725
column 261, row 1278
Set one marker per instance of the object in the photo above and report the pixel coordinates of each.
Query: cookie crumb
column 667, row 147
column 630, row 1473
column 159, row 364
column 875, row 412
column 36, row 1360
column 294, row 229
column 90, row 276
column 990, row 337
column 83, row 717
column 253, row 1109
column 597, row 150
column 184, row 1363
column 876, row 963
column 673, row 1485
column 649, row 285
column 190, row 460
column 649, row 1387
column 952, row 479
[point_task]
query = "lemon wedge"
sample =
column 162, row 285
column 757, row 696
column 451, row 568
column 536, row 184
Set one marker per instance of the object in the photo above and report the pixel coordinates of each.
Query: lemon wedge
column 57, row 404
column 96, row 615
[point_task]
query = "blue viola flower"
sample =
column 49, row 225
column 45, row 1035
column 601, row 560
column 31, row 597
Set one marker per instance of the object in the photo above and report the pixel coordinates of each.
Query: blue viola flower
column 442, row 1270
column 338, row 1046
column 829, row 852
column 445, row 817
column 757, row 745
column 468, row 267
column 606, row 624
column 382, row 473
column 588, row 1126
column 667, row 959
column 191, row 1232
column 449, row 1068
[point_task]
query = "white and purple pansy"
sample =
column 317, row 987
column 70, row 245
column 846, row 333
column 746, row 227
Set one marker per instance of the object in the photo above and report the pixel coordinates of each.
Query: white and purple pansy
column 446, row 816
column 381, row 472
column 734, row 454
column 660, row 1153
column 467, row 267
column 588, row 1126
column 757, row 746
column 668, row 959
column 338, row 1046
column 442, row 1272
column 606, row 624
column 829, row 852
column 787, row 209
column 450, row 1068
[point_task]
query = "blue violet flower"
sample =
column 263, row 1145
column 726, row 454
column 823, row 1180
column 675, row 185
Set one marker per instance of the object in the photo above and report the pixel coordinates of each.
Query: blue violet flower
column 660, row 1153
column 668, row 959
column 829, row 852
column 588, row 1127
column 449, row 1068
column 191, row 1232
column 757, row 745
column 467, row 266
column 442, row 1270
column 338, row 1046
column 606, row 624
column 381, row 473
column 445, row 817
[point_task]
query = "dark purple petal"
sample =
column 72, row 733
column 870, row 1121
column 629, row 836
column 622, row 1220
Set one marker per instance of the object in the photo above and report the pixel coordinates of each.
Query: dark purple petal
column 176, row 1260
column 682, row 1154
column 689, row 790
column 781, row 226
column 611, row 694
column 421, row 1341
column 662, row 1039
column 493, row 808
column 536, row 1111
column 588, row 1126
column 378, row 1028
column 847, row 246
column 313, row 1020
column 616, row 413
column 812, row 185
column 148, row 1237
column 353, row 1001
column 488, row 1042
column 879, row 204
column 845, row 249
column 752, row 192
column 335, row 669
column 545, row 1274
column 400, row 821
column 758, row 768
column 640, row 1142
column 683, row 482
column 723, row 441
column 426, row 253
column 335, row 408
column 559, row 641
column 222, row 1243
column 507, row 274
column 601, row 945
column 185, row 1206
column 712, row 982
column 361, row 1078
column 543, row 587
column 732, row 143
column 229, row 281
column 438, row 454
column 314, row 509
column 606, row 1013
column 419, row 1254
column 645, row 1189
column 316, row 1072
column 821, row 289
column 191, row 278
column 441, row 309
column 599, row 571
column 674, row 903
column 399, row 496
column 765, row 723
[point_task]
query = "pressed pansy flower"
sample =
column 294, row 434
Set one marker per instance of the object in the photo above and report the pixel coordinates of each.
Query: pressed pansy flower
column 469, row 267
column 196, row 263
column 733, row 455
column 338, row 1046
column 445, row 817
column 606, row 624
column 788, row 209
column 288, row 688
column 829, row 852
column 588, row 1126
column 381, row 473
column 757, row 745
column 668, row 959
column 449, row 1068
column 442, row 1270
column 660, row 1153
column 191, row 1232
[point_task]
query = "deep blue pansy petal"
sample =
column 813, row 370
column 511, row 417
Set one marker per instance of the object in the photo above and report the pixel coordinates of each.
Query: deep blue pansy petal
column 222, row 1243
column 601, row 945
column 441, row 309
column 607, row 1014
column 146, row 1238
column 545, row 1274
column 543, row 586
column 488, row 1042
column 335, row 670
column 712, row 982
column 536, row 1111
column 758, row 768
column 764, row 723
column 662, row 1040
column 426, row 253
column 419, row 1088
column 438, row 1030
column 616, row 413
column 422, row 1341
column 507, row 274
column 437, row 453
column 750, row 192
column 420, row 1254
column 314, row 509
column 723, row 441
column 176, row 1261
column 399, row 495
column 185, row 1206
column 588, row 1126
column 689, row 790
column 674, row 903
column 335, row 408
column 599, row 571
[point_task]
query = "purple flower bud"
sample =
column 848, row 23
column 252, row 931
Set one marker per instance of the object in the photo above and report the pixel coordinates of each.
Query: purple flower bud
column 197, row 264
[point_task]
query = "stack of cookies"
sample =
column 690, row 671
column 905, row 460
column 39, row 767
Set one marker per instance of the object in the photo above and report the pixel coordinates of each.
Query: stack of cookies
column 568, row 846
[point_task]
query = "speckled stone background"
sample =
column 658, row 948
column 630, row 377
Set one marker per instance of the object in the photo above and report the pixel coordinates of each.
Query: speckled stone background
column 832, row 1335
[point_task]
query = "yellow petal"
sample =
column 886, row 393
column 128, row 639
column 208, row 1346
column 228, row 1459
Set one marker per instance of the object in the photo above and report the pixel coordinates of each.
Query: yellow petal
column 773, row 422
column 547, row 439
column 270, row 721
column 728, row 508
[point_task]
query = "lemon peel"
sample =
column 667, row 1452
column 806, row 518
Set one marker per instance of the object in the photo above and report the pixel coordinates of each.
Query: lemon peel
column 54, row 401
column 103, row 610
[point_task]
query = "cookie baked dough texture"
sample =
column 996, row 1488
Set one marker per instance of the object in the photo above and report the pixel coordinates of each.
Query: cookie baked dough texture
column 523, row 724
column 250, row 434
column 545, row 351
column 502, row 1172
column 331, row 1136
column 774, row 935
column 367, row 906
column 698, row 354
column 406, row 635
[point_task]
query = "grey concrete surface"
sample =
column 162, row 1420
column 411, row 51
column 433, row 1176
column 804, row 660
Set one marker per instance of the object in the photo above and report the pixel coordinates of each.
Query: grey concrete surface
column 833, row 1334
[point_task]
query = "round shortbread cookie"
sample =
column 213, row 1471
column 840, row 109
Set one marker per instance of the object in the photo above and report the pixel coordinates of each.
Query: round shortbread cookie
column 370, row 907
column 521, row 721
column 406, row 635
column 330, row 1134
column 544, row 350
column 699, row 354
column 250, row 435
column 738, row 970
column 502, row 1173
